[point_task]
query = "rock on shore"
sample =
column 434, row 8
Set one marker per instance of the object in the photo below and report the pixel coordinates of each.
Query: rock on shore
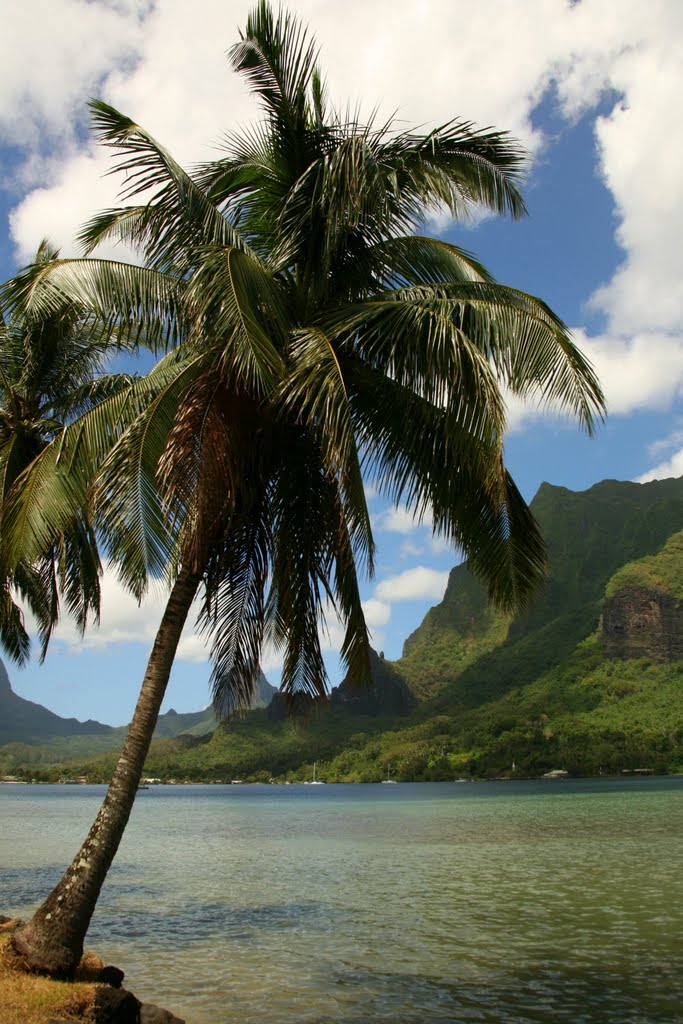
column 113, row 1004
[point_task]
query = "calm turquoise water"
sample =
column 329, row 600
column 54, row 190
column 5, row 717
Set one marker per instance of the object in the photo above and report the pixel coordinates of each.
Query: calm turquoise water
column 410, row 904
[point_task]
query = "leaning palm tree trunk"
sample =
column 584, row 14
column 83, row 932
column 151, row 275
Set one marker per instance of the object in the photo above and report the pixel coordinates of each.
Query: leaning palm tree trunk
column 52, row 941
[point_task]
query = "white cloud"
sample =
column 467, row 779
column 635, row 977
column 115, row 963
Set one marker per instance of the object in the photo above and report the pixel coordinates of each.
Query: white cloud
column 53, row 54
column 673, row 440
column 414, row 584
column 643, row 371
column 641, row 150
column 271, row 660
column 194, row 648
column 377, row 613
column 640, row 371
column 58, row 209
column 440, row 546
column 332, row 633
column 397, row 520
column 172, row 75
column 400, row 520
column 669, row 467
column 123, row 621
column 664, row 470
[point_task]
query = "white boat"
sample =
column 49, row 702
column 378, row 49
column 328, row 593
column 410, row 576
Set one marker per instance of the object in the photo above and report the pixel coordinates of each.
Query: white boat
column 313, row 781
column 388, row 781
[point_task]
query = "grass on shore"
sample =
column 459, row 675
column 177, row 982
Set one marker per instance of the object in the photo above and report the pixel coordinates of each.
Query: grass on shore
column 33, row 999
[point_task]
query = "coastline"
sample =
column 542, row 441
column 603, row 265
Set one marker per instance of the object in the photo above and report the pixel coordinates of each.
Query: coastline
column 94, row 995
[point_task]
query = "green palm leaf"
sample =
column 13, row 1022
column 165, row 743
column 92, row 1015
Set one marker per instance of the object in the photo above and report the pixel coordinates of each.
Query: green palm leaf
column 177, row 214
column 137, row 306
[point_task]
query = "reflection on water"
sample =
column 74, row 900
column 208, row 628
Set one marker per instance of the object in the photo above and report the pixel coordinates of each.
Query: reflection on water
column 427, row 904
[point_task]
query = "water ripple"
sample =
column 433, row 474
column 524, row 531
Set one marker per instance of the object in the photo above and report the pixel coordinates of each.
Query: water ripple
column 529, row 904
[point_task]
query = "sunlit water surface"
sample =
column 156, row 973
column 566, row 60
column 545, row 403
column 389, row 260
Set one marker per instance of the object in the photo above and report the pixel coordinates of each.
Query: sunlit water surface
column 409, row 904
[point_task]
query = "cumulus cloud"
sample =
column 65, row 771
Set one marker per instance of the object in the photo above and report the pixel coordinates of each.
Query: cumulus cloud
column 672, row 465
column 409, row 549
column 643, row 371
column 377, row 613
column 419, row 534
column 663, row 470
column 638, row 371
column 641, row 147
column 123, row 621
column 57, row 210
column 414, row 584
column 53, row 55
column 399, row 519
column 172, row 75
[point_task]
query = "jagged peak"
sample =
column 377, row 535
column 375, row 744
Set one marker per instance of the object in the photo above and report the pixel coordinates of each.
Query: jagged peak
column 5, row 685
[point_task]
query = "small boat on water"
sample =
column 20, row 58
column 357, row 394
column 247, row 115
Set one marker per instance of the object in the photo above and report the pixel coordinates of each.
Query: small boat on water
column 388, row 780
column 314, row 781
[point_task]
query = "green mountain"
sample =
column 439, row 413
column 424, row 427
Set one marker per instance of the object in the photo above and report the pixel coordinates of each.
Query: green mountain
column 590, row 535
column 26, row 724
column 589, row 679
column 199, row 723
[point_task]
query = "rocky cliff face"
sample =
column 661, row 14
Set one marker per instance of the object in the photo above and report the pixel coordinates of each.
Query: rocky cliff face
column 389, row 693
column 642, row 622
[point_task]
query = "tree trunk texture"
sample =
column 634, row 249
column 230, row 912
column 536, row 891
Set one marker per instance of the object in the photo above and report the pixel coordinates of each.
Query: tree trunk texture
column 52, row 941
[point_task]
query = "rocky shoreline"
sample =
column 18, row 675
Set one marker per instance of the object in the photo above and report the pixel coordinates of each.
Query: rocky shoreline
column 112, row 1003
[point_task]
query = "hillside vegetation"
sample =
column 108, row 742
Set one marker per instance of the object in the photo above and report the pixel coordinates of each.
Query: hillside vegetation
column 477, row 694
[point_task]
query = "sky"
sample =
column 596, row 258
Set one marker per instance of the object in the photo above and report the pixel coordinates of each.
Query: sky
column 591, row 89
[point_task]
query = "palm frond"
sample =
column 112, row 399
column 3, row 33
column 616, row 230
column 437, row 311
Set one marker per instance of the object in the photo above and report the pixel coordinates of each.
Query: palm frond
column 178, row 215
column 314, row 392
column 459, row 166
column 236, row 304
column 138, row 306
column 448, row 471
column 508, row 553
column 13, row 635
column 279, row 62
column 138, row 529
column 234, row 610
column 529, row 347
column 58, row 484
column 414, row 338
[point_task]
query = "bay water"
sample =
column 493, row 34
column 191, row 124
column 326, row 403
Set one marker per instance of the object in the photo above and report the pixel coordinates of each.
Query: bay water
column 548, row 901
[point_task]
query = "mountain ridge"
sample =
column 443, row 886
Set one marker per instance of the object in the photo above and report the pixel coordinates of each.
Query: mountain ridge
column 479, row 694
column 25, row 722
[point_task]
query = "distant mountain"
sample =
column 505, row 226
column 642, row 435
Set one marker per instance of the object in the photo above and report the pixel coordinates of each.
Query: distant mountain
column 24, row 722
column 589, row 679
column 389, row 693
column 198, row 723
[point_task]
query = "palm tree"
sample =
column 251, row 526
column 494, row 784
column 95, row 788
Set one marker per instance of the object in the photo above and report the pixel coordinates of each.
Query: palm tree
column 314, row 324
column 51, row 371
